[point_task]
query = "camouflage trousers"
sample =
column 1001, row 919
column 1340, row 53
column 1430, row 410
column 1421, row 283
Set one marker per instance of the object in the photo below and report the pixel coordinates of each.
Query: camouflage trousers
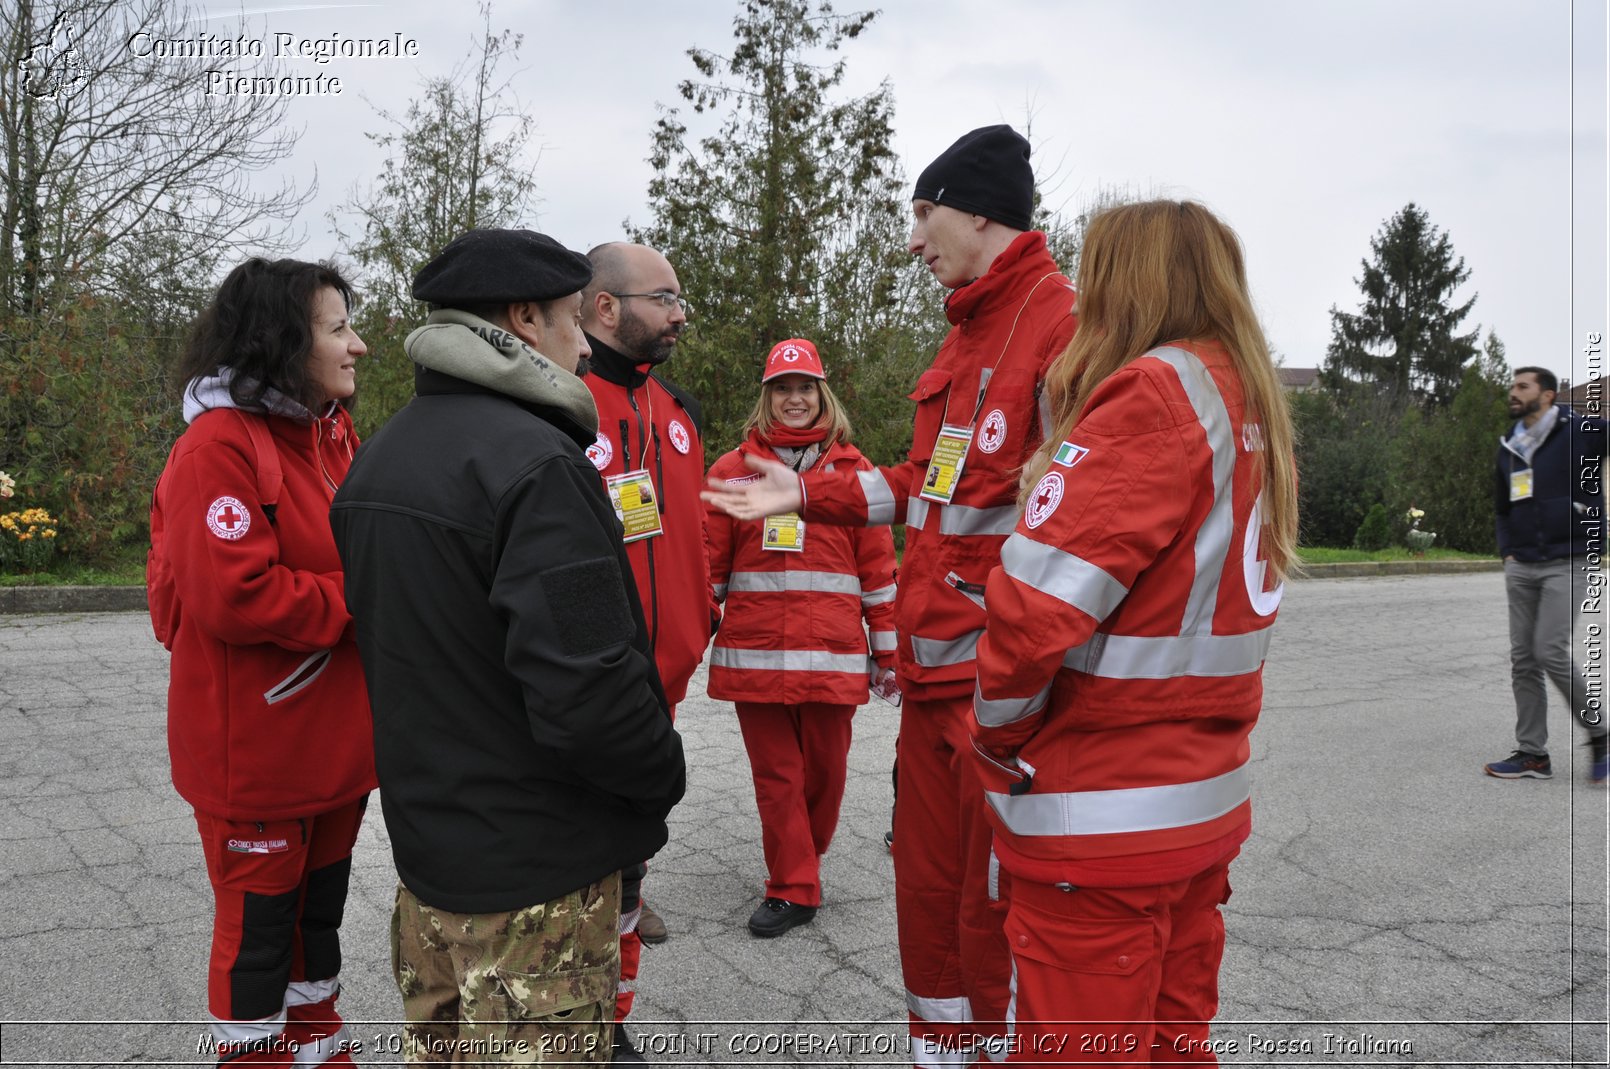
column 535, row 986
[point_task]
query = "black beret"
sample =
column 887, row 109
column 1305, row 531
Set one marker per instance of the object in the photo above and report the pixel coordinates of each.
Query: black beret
column 986, row 172
column 501, row 266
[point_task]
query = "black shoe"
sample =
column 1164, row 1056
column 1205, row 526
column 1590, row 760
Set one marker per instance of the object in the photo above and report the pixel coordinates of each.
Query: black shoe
column 625, row 1052
column 775, row 916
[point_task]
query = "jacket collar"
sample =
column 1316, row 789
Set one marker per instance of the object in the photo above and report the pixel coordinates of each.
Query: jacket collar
column 612, row 365
column 1024, row 260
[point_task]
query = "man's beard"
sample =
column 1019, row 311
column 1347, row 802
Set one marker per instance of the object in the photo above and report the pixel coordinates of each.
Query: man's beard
column 583, row 365
column 1517, row 408
column 640, row 343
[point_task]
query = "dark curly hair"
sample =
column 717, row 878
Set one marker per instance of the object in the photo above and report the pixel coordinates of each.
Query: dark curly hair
column 260, row 326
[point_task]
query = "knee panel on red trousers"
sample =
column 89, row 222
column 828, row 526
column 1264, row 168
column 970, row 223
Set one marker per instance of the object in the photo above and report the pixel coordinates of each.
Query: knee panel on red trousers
column 321, row 919
column 262, row 965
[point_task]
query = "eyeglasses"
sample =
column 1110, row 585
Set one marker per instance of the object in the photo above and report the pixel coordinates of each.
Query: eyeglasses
column 666, row 299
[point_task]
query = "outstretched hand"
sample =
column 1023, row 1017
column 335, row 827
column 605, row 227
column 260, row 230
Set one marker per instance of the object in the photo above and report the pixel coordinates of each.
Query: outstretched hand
column 776, row 491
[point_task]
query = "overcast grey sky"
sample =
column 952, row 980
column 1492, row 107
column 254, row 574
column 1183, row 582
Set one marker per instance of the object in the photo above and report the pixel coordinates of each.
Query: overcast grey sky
column 1305, row 125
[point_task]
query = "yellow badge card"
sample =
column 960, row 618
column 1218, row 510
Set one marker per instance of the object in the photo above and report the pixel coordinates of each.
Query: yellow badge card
column 785, row 533
column 632, row 494
column 950, row 455
column 1520, row 484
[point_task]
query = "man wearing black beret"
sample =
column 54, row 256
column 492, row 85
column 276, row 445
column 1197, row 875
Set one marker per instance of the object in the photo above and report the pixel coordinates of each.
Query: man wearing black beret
column 522, row 738
column 1011, row 314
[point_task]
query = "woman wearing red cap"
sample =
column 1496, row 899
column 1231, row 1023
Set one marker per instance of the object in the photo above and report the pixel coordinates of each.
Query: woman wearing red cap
column 791, row 652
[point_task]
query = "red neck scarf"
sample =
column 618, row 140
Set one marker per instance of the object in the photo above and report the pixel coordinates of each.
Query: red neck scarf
column 788, row 436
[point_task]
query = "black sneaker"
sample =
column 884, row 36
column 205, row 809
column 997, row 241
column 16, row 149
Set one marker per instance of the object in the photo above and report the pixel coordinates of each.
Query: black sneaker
column 1521, row 765
column 775, row 916
column 625, row 1052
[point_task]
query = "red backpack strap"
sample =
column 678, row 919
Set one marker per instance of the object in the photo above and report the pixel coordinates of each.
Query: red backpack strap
column 270, row 476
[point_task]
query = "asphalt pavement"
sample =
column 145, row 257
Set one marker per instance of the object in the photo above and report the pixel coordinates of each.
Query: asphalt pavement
column 1394, row 906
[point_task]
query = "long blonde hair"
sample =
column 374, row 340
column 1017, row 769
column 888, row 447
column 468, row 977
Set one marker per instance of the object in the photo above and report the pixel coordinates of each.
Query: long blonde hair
column 832, row 415
column 1160, row 271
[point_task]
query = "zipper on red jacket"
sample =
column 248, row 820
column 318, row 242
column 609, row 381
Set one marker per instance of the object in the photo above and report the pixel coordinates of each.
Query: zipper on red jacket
column 659, row 491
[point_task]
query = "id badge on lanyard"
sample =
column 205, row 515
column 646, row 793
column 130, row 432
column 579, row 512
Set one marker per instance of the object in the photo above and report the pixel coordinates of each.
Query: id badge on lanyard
column 1520, row 484
column 945, row 469
column 632, row 494
column 784, row 533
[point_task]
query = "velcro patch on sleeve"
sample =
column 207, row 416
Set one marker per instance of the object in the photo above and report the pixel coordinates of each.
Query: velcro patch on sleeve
column 587, row 601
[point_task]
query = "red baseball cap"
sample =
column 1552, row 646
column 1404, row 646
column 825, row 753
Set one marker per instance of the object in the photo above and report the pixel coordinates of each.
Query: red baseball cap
column 796, row 356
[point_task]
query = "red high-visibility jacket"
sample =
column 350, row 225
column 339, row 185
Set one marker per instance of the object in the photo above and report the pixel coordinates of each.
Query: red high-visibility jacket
column 791, row 632
column 1006, row 327
column 644, row 423
column 268, row 715
column 1122, row 666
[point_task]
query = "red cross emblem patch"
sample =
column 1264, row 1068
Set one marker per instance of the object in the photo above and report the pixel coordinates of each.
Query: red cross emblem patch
column 228, row 519
column 679, row 437
column 993, row 435
column 601, row 452
column 1044, row 501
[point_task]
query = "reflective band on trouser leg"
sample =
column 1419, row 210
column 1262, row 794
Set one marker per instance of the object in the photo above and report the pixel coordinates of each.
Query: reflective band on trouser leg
column 320, row 1034
column 1061, row 575
column 879, row 498
column 1169, row 656
column 788, row 660
column 1131, row 809
column 631, row 942
column 997, row 712
column 803, row 582
column 938, row 1027
column 941, row 652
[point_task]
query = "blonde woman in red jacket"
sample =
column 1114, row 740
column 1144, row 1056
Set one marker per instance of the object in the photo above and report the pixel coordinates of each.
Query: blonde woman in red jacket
column 268, row 716
column 1121, row 668
column 791, row 652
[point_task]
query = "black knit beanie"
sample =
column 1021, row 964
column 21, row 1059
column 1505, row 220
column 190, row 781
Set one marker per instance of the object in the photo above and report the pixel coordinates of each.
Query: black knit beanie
column 986, row 172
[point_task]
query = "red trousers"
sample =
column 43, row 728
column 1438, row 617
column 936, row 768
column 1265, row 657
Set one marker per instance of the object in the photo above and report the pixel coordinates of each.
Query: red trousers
column 279, row 890
column 797, row 757
column 631, row 944
column 952, row 952
column 1139, row 964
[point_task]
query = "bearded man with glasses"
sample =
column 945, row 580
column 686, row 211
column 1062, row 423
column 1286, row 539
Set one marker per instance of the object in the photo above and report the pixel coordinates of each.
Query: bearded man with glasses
column 650, row 456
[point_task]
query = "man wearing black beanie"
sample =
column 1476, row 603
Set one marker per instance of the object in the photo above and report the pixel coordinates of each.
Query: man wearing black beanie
column 978, row 421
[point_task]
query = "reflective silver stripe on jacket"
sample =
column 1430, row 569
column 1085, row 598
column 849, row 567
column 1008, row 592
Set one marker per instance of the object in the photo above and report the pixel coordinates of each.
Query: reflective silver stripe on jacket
column 788, row 660
column 957, row 1010
column 1213, row 537
column 883, row 641
column 881, row 596
column 995, row 712
column 963, row 520
column 1063, row 576
column 720, row 590
column 1131, row 809
column 778, row 582
column 938, row 652
column 879, row 498
column 1170, row 656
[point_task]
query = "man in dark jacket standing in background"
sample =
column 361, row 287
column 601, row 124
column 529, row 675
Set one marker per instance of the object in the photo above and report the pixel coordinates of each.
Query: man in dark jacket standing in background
column 523, row 741
column 1549, row 498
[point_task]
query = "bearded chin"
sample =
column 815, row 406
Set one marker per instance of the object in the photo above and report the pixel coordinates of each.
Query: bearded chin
column 582, row 367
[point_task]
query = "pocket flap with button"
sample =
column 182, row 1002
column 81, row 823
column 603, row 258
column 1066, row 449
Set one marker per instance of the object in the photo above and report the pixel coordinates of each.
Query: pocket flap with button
column 1080, row 944
column 556, row 994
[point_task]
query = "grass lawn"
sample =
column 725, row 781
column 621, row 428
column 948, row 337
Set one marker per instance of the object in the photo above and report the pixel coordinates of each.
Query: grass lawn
column 1327, row 555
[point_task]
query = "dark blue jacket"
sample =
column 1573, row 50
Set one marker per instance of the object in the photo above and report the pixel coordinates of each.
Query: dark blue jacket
column 1564, row 517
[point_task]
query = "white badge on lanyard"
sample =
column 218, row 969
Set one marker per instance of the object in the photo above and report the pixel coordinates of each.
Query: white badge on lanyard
column 950, row 457
column 1520, row 484
column 632, row 494
column 785, row 533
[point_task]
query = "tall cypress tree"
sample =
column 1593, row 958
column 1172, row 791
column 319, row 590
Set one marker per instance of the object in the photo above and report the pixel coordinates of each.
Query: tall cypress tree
column 788, row 220
column 1404, row 340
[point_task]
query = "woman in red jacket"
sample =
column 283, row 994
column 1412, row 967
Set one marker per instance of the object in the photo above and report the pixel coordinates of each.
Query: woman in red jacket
column 791, row 652
column 268, row 717
column 1121, row 667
